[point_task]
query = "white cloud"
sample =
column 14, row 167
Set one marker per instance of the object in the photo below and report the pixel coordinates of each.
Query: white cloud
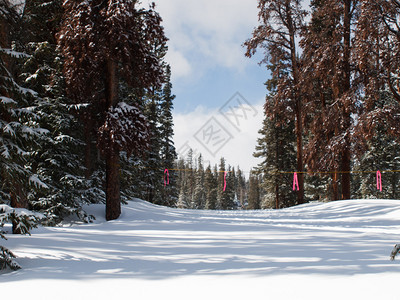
column 242, row 139
column 179, row 64
column 208, row 33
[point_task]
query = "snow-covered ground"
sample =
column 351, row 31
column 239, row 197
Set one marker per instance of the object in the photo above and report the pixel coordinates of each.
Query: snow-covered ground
column 336, row 250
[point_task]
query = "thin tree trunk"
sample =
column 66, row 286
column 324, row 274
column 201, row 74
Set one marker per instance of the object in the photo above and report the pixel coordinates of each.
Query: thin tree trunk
column 113, row 204
column 346, row 155
column 278, row 175
column 18, row 196
column 335, row 186
column 88, row 147
column 277, row 192
column 18, row 200
column 300, row 167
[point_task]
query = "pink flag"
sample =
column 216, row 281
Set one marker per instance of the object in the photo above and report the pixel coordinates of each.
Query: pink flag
column 224, row 181
column 166, row 181
column 379, row 180
column 295, row 182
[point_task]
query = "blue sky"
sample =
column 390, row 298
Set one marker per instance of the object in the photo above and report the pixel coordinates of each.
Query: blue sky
column 208, row 68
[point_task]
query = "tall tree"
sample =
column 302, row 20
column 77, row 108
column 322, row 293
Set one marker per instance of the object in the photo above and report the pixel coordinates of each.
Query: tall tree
column 377, row 43
column 210, row 186
column 152, row 160
column 20, row 124
column 328, row 78
column 254, row 191
column 103, row 42
column 241, row 188
column 199, row 195
column 167, row 147
column 281, row 23
column 276, row 148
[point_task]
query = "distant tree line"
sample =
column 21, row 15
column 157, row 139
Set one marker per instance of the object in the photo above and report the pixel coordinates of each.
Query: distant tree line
column 218, row 187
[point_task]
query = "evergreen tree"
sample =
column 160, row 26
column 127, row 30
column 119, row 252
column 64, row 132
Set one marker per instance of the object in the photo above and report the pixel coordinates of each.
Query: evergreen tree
column 183, row 200
column 210, row 186
column 281, row 23
column 100, row 42
column 190, row 179
column 276, row 148
column 225, row 189
column 199, row 191
column 254, row 191
column 376, row 44
column 167, row 148
column 241, row 192
column 380, row 152
column 21, row 133
column 152, row 159
column 58, row 159
column 330, row 81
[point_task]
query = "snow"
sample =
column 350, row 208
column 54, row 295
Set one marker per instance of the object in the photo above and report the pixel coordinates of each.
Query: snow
column 336, row 250
column 13, row 53
column 6, row 100
column 35, row 180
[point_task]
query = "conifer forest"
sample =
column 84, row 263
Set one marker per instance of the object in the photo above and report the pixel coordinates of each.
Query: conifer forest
column 86, row 111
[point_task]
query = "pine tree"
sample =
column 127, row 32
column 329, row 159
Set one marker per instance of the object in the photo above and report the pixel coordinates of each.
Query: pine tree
column 276, row 148
column 21, row 134
column 329, row 80
column 241, row 189
column 190, row 178
column 281, row 23
column 152, row 158
column 225, row 189
column 167, row 149
column 182, row 201
column 100, row 42
column 199, row 191
column 376, row 42
column 210, row 186
column 254, row 191
column 58, row 160
column 379, row 152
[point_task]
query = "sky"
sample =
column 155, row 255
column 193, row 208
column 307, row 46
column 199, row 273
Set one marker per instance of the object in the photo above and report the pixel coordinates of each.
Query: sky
column 219, row 92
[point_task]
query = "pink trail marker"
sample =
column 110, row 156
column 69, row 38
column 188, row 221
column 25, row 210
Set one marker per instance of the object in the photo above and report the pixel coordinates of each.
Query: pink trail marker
column 224, row 181
column 295, row 182
column 379, row 180
column 166, row 181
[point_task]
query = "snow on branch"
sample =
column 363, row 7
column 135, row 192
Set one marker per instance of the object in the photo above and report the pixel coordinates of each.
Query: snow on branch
column 125, row 129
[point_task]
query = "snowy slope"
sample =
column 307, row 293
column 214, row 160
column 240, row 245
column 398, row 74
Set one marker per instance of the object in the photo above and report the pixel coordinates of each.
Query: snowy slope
column 336, row 250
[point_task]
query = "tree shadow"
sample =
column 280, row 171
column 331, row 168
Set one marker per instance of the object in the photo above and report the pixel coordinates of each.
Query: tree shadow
column 152, row 242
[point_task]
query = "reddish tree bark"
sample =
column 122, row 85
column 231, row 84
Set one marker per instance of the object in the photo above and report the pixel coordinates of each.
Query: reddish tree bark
column 346, row 156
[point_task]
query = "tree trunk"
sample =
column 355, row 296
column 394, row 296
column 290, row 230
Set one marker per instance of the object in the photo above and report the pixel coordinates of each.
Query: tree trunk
column 335, row 186
column 18, row 200
column 300, row 167
column 88, row 147
column 4, row 43
column 346, row 155
column 113, row 204
column 277, row 192
column 298, row 104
